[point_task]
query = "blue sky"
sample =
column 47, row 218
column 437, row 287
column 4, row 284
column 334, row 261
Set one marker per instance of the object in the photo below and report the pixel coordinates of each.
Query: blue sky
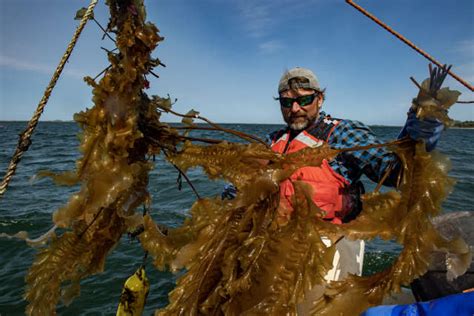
column 224, row 58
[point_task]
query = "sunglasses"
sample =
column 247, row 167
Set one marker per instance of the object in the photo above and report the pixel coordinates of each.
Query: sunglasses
column 302, row 100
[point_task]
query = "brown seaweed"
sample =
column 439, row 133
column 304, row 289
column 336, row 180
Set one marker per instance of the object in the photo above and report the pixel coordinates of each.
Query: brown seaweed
column 240, row 256
column 113, row 170
column 292, row 254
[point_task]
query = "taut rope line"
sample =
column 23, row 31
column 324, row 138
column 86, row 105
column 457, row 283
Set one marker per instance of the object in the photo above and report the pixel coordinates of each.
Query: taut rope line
column 24, row 140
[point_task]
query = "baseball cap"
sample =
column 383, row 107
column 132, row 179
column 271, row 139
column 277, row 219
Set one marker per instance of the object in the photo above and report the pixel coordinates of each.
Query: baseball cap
column 298, row 72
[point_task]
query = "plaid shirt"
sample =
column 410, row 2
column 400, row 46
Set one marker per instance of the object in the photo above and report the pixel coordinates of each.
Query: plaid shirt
column 353, row 164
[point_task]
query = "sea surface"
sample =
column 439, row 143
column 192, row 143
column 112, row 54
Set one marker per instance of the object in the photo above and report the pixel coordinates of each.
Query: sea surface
column 29, row 202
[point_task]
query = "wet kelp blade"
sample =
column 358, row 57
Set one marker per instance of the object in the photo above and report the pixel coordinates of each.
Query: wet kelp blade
column 113, row 169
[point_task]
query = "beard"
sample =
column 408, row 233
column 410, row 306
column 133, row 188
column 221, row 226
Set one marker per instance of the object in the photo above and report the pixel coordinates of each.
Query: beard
column 299, row 126
column 299, row 123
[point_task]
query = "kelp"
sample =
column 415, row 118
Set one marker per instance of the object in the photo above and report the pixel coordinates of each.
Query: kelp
column 240, row 256
column 113, row 169
column 58, row 269
column 433, row 102
column 251, row 263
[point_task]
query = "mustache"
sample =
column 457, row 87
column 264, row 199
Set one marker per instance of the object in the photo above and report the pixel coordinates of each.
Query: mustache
column 297, row 116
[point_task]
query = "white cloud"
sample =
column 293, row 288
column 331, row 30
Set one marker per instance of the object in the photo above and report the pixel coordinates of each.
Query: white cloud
column 257, row 17
column 17, row 64
column 463, row 65
column 465, row 48
column 270, row 47
column 261, row 19
column 466, row 71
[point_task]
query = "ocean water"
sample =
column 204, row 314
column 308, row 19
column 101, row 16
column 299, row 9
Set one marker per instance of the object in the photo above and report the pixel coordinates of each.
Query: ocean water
column 30, row 201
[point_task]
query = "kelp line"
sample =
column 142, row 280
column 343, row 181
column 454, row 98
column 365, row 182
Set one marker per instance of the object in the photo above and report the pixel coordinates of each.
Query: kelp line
column 241, row 257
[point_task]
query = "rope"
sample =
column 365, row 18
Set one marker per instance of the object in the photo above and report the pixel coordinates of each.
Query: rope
column 413, row 46
column 24, row 140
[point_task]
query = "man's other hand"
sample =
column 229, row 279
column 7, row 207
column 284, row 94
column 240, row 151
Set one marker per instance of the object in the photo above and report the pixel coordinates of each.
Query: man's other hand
column 429, row 130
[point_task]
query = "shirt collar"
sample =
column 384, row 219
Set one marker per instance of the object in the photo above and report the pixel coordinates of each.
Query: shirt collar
column 321, row 117
column 319, row 120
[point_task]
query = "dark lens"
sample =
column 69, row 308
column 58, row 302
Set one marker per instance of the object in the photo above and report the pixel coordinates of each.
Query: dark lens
column 306, row 99
column 286, row 102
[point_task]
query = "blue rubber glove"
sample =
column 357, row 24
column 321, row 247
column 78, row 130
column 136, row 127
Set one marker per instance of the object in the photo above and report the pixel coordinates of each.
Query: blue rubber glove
column 229, row 193
column 428, row 129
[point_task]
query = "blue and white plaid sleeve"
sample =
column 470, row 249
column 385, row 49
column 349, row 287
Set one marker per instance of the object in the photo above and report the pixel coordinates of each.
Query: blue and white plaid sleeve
column 372, row 162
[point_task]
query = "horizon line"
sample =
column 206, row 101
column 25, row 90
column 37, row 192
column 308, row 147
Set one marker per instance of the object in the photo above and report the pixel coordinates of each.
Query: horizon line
column 233, row 123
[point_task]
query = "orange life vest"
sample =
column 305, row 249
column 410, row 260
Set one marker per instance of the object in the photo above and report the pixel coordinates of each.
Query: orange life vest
column 329, row 186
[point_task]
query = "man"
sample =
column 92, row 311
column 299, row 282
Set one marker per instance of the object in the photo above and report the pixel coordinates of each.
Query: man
column 336, row 183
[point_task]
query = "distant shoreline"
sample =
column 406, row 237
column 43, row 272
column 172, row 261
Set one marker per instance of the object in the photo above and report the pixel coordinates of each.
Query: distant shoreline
column 198, row 123
column 370, row 125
